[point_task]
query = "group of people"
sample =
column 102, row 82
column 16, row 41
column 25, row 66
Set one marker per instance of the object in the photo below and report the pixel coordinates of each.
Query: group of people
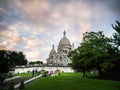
column 51, row 72
column 34, row 72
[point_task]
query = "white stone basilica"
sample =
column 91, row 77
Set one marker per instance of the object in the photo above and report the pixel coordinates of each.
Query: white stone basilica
column 61, row 56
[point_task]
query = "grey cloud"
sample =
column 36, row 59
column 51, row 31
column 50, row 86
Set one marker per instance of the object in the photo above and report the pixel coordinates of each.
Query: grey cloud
column 4, row 7
column 4, row 4
column 114, row 5
column 2, row 26
column 9, row 13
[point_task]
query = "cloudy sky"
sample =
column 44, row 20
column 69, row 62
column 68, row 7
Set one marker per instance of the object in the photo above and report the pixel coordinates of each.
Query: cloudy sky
column 33, row 26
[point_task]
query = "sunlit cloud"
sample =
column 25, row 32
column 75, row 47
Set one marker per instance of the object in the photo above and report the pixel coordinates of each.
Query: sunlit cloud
column 33, row 55
column 9, row 39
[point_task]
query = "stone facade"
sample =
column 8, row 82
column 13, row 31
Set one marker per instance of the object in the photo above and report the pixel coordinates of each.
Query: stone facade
column 46, row 68
column 60, row 57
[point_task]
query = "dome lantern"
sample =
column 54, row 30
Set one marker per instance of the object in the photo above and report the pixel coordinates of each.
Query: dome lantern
column 64, row 33
column 53, row 46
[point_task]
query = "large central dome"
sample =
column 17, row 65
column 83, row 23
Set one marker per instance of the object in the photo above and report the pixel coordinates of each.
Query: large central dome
column 64, row 42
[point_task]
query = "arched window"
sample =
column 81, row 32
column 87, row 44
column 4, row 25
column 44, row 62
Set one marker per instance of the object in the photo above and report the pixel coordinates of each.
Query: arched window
column 60, row 58
column 66, row 51
column 51, row 57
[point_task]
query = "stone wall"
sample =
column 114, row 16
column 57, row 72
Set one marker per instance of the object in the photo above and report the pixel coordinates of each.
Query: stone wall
column 25, row 69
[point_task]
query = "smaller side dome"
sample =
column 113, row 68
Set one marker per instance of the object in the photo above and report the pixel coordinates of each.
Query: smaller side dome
column 52, row 51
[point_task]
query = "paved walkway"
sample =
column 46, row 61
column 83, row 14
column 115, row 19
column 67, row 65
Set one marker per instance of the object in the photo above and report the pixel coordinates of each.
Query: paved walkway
column 9, row 79
column 27, row 81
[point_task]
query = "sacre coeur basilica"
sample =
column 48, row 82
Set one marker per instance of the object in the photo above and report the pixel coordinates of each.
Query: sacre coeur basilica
column 60, row 56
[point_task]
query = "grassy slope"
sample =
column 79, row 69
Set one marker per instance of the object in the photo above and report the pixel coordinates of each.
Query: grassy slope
column 24, row 74
column 72, row 82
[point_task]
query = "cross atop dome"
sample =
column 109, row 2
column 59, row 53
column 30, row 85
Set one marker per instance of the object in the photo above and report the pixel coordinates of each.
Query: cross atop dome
column 64, row 33
column 53, row 46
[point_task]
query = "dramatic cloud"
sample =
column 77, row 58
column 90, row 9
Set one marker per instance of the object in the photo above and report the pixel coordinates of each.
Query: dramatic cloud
column 9, row 39
column 33, row 26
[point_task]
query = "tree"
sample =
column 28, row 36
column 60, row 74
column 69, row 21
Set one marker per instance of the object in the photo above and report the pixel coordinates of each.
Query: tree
column 80, row 60
column 103, row 51
column 18, row 58
column 36, row 62
column 4, row 67
column 116, row 56
column 8, row 59
column 98, row 47
column 116, row 36
column 5, row 64
column 93, row 52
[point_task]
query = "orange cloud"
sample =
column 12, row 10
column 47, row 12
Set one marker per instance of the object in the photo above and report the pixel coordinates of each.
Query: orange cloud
column 10, row 39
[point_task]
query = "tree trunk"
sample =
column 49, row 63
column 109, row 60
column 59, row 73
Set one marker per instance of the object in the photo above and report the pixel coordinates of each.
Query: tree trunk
column 2, row 78
column 100, row 72
column 83, row 74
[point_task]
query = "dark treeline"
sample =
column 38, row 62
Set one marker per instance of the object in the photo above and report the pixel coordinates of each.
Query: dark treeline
column 9, row 59
column 98, row 52
column 36, row 62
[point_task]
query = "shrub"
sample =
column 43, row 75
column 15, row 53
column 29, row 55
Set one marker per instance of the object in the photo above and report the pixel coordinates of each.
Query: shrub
column 11, row 86
column 21, row 85
column 57, row 71
column 44, row 73
column 10, row 75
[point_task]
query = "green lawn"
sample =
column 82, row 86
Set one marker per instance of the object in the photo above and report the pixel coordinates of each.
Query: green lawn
column 72, row 81
column 24, row 74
